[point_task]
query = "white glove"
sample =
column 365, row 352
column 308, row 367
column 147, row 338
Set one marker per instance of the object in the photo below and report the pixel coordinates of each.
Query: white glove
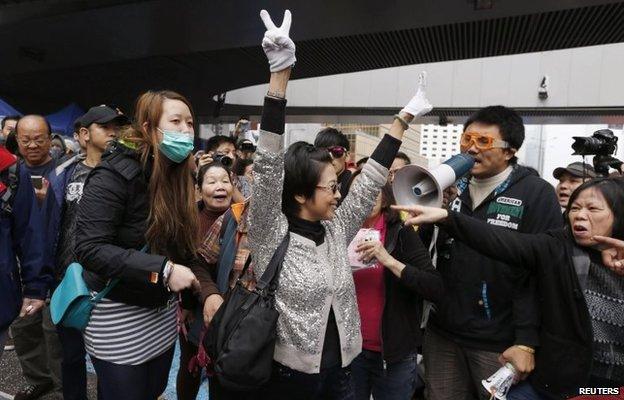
column 278, row 47
column 419, row 105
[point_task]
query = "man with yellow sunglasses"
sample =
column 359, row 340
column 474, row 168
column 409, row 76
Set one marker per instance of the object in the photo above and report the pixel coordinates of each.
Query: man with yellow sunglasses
column 490, row 313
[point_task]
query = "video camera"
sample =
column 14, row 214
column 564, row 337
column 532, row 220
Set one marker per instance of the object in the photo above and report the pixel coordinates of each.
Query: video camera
column 602, row 145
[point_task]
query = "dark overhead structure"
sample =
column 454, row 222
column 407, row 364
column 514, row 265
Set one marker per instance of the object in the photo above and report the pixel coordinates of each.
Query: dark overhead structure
column 53, row 52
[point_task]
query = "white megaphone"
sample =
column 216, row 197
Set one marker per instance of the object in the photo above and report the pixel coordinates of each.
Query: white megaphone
column 414, row 185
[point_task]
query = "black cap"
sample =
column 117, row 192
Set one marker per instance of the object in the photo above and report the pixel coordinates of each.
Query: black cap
column 102, row 115
column 578, row 169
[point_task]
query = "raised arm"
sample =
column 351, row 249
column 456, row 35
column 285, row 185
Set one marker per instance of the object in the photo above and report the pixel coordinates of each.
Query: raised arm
column 269, row 223
column 517, row 249
column 361, row 197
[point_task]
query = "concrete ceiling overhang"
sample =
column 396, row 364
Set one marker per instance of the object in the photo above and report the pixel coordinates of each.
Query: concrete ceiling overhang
column 108, row 51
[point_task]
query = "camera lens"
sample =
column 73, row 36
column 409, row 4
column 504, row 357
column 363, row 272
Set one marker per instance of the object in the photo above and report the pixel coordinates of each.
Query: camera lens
column 226, row 161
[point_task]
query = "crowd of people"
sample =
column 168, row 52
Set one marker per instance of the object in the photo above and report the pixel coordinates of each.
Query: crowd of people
column 509, row 271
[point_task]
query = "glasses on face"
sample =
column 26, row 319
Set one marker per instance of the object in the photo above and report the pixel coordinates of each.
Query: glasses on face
column 27, row 142
column 337, row 151
column 481, row 142
column 332, row 187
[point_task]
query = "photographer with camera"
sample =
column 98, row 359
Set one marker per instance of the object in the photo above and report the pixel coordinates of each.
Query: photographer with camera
column 219, row 148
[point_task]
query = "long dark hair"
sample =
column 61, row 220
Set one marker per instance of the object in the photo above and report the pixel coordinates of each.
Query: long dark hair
column 172, row 228
column 612, row 189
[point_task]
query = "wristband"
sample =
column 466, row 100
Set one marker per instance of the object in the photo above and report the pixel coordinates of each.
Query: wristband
column 167, row 273
column 276, row 95
column 404, row 123
column 528, row 349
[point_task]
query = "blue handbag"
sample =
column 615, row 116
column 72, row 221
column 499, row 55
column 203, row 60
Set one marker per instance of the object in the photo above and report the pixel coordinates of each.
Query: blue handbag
column 72, row 303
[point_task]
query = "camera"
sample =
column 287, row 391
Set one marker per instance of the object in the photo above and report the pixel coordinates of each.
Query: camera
column 223, row 159
column 601, row 142
column 602, row 145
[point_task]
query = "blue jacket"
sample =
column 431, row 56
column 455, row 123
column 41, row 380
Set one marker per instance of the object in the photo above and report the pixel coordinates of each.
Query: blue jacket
column 22, row 236
column 53, row 209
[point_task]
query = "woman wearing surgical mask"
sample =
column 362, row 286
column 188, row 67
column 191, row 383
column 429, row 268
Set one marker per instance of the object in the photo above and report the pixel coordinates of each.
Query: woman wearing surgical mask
column 138, row 223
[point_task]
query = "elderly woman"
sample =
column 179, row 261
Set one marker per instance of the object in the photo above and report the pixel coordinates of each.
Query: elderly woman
column 579, row 272
column 297, row 193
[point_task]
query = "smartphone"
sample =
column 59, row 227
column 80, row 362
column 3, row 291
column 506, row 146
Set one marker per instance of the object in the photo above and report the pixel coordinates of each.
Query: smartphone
column 37, row 181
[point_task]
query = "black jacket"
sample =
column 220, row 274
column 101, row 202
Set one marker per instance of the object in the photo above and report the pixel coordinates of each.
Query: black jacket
column 400, row 327
column 110, row 231
column 489, row 305
column 563, row 360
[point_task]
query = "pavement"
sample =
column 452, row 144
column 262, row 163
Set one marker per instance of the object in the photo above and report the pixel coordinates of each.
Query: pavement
column 12, row 380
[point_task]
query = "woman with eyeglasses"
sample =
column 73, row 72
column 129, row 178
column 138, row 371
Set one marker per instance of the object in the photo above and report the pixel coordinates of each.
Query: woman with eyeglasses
column 580, row 273
column 297, row 193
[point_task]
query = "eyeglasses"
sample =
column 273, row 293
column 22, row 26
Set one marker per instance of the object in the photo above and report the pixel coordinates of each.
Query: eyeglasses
column 332, row 187
column 337, row 151
column 482, row 142
column 38, row 142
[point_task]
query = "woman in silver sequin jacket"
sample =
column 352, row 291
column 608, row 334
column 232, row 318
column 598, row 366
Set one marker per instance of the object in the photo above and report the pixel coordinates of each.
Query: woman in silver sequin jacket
column 297, row 192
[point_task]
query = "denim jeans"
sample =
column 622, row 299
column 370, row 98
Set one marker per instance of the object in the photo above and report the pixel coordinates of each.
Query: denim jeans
column 397, row 382
column 334, row 383
column 524, row 391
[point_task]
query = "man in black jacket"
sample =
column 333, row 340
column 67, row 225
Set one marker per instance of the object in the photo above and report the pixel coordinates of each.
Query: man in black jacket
column 489, row 308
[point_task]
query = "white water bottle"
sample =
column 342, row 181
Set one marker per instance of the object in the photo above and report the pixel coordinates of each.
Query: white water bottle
column 498, row 385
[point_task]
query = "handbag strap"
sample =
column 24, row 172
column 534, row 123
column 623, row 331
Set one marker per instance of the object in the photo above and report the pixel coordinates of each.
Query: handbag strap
column 110, row 285
column 105, row 291
column 271, row 273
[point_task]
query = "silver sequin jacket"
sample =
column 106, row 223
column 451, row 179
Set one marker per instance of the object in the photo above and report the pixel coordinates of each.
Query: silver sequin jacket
column 313, row 278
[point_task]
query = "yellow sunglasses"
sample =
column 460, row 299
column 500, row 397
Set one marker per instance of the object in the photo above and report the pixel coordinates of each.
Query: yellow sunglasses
column 482, row 142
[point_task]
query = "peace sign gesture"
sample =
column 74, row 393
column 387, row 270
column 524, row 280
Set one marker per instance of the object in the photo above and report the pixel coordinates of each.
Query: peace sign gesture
column 277, row 45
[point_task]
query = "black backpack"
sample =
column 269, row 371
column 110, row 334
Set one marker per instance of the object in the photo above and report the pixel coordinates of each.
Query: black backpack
column 240, row 339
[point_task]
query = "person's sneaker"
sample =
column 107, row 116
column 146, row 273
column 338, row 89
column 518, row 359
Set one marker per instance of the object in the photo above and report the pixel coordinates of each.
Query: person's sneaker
column 9, row 345
column 32, row 392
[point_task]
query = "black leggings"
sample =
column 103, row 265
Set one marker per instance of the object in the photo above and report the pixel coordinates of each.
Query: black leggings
column 145, row 381
column 187, row 383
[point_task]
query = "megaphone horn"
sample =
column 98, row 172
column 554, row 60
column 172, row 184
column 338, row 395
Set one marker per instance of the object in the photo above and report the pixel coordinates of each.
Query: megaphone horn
column 414, row 185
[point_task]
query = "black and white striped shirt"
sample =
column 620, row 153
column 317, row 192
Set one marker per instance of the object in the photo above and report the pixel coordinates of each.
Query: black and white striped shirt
column 130, row 335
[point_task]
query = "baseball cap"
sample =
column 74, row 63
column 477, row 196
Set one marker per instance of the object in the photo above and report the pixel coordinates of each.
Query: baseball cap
column 102, row 115
column 578, row 169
